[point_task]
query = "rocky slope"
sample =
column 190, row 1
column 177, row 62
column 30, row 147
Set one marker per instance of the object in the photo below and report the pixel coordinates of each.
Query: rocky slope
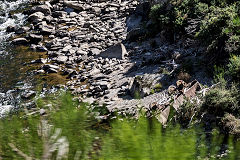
column 100, row 48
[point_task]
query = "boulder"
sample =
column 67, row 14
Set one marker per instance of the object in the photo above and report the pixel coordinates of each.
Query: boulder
column 140, row 87
column 117, row 51
column 50, row 68
column 11, row 29
column 45, row 9
column 28, row 94
column 61, row 59
column 95, row 51
column 135, row 33
column 41, row 48
column 133, row 21
column 22, row 30
column 47, row 30
column 35, row 39
column 58, row 14
column 74, row 4
column 36, row 17
column 19, row 41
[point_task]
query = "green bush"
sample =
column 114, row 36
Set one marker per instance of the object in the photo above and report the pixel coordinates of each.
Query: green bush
column 68, row 124
column 145, row 139
column 234, row 68
column 218, row 101
column 216, row 23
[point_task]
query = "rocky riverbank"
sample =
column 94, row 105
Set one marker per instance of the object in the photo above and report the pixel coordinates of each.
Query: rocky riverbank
column 103, row 50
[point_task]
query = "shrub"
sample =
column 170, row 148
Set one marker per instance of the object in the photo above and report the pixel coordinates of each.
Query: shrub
column 145, row 139
column 234, row 68
column 216, row 23
column 220, row 100
column 67, row 127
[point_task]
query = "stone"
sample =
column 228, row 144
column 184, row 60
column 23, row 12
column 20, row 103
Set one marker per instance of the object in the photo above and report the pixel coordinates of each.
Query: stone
column 74, row 4
column 61, row 59
column 41, row 60
column 47, row 30
column 140, row 87
column 95, row 51
column 5, row 109
column 133, row 21
column 36, row 17
column 42, row 111
column 67, row 48
column 50, row 68
column 41, row 48
column 19, row 41
column 96, row 10
column 11, row 29
column 45, row 9
column 28, row 94
column 163, row 116
column 35, row 39
column 57, row 14
column 135, row 33
column 22, row 30
column 117, row 51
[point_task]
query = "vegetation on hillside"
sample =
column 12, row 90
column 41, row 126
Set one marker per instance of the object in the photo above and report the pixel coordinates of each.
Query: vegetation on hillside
column 215, row 23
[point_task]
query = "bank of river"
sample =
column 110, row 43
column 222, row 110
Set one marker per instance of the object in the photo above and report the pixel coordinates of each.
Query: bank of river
column 77, row 36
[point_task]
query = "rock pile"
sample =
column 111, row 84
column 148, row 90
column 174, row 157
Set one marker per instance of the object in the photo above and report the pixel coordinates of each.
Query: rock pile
column 94, row 45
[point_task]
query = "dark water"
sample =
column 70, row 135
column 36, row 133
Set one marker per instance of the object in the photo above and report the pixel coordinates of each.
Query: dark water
column 13, row 71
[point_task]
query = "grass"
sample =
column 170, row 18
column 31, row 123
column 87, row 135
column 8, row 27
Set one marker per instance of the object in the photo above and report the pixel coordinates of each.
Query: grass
column 69, row 130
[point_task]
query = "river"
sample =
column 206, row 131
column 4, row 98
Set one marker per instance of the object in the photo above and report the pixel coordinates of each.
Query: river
column 12, row 59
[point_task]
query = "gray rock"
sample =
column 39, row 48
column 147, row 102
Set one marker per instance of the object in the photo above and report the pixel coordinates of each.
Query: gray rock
column 28, row 94
column 117, row 51
column 96, row 10
column 45, row 9
column 95, row 51
column 36, row 17
column 19, row 41
column 58, row 14
column 61, row 59
column 133, row 21
column 42, row 111
column 47, row 30
column 66, row 48
column 74, row 4
column 22, row 30
column 35, row 39
column 11, row 29
column 41, row 48
column 140, row 87
column 50, row 68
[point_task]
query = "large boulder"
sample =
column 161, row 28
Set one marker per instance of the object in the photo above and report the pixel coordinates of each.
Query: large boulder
column 117, row 51
column 74, row 4
column 47, row 29
column 35, row 39
column 36, row 17
column 19, row 41
column 45, row 9
column 141, row 86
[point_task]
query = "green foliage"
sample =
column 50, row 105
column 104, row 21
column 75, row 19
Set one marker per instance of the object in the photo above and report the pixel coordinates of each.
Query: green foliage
column 234, row 68
column 73, row 120
column 221, row 100
column 145, row 139
column 186, row 113
column 23, row 133
column 215, row 22
column 126, row 138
